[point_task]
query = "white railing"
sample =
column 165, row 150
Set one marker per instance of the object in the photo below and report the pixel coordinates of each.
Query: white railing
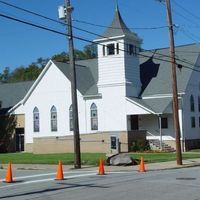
column 151, row 136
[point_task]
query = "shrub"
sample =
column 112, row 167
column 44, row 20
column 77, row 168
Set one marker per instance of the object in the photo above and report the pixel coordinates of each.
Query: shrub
column 140, row 146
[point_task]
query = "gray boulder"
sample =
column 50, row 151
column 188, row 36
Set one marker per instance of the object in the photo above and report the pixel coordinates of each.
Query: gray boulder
column 120, row 159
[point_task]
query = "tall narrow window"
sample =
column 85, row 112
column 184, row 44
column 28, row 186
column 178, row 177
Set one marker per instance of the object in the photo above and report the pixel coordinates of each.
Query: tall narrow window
column 36, row 120
column 191, row 103
column 199, row 122
column 53, row 119
column 199, row 103
column 131, row 49
column 117, row 48
column 193, row 124
column 135, row 51
column 104, row 51
column 70, row 118
column 94, row 117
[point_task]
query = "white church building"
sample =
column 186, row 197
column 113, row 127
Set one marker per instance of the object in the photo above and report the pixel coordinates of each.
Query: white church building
column 124, row 95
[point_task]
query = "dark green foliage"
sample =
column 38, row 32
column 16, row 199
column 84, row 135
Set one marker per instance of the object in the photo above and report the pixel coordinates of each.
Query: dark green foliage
column 90, row 51
column 62, row 57
column 140, row 146
column 25, row 74
column 32, row 71
column 5, row 75
column 7, row 127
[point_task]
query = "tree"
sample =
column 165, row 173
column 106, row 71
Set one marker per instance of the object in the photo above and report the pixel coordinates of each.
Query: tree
column 41, row 62
column 5, row 76
column 62, row 57
column 25, row 73
column 32, row 71
column 7, row 127
column 90, row 51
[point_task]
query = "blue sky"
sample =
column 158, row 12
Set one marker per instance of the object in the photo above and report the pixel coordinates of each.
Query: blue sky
column 21, row 44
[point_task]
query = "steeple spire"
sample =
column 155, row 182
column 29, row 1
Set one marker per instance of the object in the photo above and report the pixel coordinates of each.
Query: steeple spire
column 117, row 7
column 118, row 27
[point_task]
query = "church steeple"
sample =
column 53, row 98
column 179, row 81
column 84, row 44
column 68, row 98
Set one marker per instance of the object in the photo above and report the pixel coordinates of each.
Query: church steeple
column 124, row 72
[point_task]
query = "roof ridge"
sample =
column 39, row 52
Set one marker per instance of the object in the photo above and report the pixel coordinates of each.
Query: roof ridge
column 178, row 46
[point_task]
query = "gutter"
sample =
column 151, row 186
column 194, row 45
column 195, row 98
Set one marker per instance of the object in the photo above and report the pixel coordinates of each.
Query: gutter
column 96, row 96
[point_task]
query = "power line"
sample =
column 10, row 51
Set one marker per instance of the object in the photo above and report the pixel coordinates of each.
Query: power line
column 56, row 21
column 103, row 26
column 186, row 10
column 189, row 35
column 48, row 18
column 45, row 17
column 30, row 12
column 61, row 33
column 78, row 38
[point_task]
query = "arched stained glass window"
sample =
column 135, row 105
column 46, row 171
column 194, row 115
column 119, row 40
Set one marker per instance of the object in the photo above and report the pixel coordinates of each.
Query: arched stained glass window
column 54, row 119
column 36, row 120
column 94, row 117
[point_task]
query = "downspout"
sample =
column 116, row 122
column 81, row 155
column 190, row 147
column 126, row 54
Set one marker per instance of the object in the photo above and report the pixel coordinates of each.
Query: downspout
column 160, row 131
column 182, row 129
column 85, row 117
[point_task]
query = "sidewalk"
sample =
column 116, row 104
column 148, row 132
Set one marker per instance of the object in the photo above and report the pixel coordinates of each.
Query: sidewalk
column 148, row 166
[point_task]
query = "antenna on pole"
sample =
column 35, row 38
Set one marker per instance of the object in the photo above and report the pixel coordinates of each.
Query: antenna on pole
column 62, row 12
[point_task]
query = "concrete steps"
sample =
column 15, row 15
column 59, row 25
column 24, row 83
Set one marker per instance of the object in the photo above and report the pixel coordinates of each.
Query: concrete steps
column 155, row 145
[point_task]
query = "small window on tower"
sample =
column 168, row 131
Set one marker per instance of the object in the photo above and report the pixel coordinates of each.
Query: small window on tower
column 130, row 49
column 104, row 52
column 117, row 48
column 110, row 49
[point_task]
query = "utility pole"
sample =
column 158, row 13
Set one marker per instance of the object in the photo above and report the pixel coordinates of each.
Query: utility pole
column 174, row 85
column 77, row 154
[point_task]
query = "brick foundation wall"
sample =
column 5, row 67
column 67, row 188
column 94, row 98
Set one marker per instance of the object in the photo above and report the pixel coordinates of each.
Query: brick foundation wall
column 90, row 143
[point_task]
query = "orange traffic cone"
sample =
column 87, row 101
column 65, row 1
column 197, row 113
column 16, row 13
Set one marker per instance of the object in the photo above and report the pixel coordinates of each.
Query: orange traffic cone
column 101, row 168
column 142, row 166
column 60, row 175
column 8, row 178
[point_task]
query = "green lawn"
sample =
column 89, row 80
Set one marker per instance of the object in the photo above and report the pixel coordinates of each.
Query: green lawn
column 163, row 157
column 67, row 158
column 86, row 158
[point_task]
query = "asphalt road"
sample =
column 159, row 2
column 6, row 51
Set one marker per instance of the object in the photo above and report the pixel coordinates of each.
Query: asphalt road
column 178, row 184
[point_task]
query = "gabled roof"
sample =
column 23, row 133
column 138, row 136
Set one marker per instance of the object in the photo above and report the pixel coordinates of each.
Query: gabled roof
column 155, row 75
column 86, row 75
column 12, row 93
column 155, row 71
column 156, row 105
column 118, row 28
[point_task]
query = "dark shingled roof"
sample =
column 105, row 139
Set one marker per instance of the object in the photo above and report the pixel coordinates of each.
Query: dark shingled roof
column 157, row 105
column 156, row 74
column 12, row 93
column 86, row 75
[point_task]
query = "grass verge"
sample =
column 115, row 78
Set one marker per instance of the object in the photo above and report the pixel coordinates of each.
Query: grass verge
column 86, row 158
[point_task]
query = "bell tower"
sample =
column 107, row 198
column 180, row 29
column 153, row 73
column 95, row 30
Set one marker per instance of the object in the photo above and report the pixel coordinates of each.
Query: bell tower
column 118, row 62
